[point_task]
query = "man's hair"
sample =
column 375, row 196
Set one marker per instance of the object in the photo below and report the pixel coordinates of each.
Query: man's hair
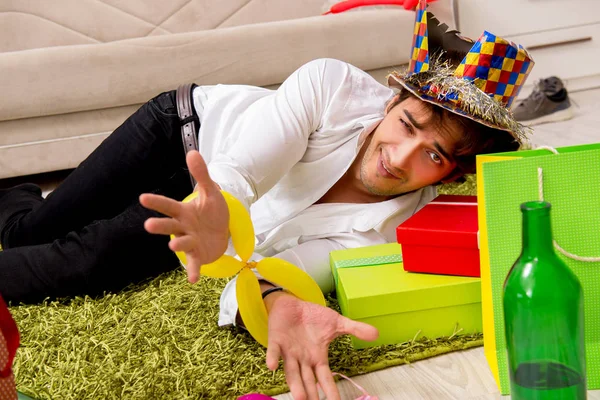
column 475, row 138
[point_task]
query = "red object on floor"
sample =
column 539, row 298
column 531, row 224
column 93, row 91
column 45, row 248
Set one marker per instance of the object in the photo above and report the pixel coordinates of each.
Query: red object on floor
column 351, row 4
column 9, row 341
column 441, row 238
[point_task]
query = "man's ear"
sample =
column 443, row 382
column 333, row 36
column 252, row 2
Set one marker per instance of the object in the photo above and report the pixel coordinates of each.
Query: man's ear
column 392, row 103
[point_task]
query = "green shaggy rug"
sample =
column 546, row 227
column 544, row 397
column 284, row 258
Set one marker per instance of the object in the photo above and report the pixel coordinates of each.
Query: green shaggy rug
column 160, row 340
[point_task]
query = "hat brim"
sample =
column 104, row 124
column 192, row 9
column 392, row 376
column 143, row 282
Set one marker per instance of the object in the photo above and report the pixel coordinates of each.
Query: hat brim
column 478, row 107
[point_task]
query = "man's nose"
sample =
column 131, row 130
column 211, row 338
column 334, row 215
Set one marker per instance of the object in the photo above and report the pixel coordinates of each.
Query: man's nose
column 403, row 155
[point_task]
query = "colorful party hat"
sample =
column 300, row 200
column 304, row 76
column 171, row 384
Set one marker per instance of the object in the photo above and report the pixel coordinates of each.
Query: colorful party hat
column 481, row 87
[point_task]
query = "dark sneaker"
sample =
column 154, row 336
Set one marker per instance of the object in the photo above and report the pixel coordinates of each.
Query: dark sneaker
column 549, row 102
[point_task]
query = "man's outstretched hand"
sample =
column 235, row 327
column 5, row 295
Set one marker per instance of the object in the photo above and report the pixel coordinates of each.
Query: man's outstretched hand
column 201, row 227
column 300, row 333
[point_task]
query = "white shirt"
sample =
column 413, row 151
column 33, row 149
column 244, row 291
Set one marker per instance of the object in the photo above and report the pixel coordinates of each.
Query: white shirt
column 280, row 151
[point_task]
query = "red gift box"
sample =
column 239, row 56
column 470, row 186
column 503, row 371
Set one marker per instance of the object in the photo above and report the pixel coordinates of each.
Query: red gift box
column 441, row 238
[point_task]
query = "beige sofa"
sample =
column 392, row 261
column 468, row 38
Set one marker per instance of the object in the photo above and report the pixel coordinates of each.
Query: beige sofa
column 73, row 70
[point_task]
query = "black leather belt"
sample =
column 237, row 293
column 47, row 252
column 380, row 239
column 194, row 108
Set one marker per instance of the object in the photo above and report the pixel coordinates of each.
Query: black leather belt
column 190, row 123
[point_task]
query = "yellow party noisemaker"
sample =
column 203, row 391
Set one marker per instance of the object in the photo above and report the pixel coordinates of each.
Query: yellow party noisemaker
column 277, row 271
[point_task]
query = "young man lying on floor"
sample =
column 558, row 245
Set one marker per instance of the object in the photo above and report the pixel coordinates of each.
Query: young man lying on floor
column 330, row 160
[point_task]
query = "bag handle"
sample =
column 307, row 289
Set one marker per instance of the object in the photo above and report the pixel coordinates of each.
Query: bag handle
column 541, row 198
column 8, row 328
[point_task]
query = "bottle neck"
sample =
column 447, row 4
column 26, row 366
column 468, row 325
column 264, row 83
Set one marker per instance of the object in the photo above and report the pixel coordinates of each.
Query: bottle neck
column 537, row 230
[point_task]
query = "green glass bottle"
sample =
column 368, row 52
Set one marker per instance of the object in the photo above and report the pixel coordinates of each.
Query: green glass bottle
column 543, row 314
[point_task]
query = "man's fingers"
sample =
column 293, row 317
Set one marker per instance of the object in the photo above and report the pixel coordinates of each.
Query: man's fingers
column 359, row 329
column 193, row 264
column 199, row 171
column 309, row 381
column 293, row 378
column 273, row 355
column 163, row 226
column 185, row 243
column 161, row 204
column 326, row 381
column 193, row 270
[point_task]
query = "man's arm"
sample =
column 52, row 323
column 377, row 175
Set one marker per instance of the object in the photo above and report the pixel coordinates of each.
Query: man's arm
column 274, row 131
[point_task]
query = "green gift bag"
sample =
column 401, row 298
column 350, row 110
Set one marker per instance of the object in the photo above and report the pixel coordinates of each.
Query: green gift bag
column 570, row 181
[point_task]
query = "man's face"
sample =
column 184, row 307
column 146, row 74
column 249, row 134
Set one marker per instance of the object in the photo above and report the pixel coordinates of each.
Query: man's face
column 407, row 152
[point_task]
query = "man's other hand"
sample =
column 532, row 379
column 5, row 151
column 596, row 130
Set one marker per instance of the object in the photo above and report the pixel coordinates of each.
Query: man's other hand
column 300, row 333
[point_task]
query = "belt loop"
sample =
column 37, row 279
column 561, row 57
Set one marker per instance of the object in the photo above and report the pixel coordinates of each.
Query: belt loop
column 186, row 112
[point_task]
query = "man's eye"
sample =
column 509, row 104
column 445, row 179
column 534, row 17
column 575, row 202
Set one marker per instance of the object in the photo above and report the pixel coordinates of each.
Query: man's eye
column 435, row 158
column 407, row 126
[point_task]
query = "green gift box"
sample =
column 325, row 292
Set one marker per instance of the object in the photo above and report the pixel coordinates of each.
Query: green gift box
column 372, row 287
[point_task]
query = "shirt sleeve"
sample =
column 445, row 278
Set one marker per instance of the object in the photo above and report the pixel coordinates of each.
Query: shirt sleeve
column 276, row 129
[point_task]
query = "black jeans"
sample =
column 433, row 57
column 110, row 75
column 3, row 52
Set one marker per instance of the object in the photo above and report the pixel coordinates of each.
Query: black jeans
column 87, row 236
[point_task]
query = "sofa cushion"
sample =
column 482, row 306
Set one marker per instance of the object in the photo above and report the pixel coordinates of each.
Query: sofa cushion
column 71, row 22
column 97, row 76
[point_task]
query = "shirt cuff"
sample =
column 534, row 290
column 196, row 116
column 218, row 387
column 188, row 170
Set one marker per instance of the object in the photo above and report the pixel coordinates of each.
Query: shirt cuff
column 228, row 307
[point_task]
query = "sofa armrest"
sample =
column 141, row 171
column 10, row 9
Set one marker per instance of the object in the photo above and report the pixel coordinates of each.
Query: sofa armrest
column 67, row 79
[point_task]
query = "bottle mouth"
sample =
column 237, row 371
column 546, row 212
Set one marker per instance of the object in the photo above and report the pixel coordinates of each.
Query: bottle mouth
column 535, row 206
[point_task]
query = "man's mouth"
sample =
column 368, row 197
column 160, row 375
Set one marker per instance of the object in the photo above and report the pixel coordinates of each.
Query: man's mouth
column 390, row 172
column 384, row 169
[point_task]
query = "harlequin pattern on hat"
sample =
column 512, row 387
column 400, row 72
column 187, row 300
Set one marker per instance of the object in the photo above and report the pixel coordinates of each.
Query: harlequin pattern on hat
column 482, row 87
column 496, row 66
column 419, row 61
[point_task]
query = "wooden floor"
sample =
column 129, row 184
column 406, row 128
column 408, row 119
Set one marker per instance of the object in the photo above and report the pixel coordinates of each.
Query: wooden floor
column 462, row 375
column 459, row 375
